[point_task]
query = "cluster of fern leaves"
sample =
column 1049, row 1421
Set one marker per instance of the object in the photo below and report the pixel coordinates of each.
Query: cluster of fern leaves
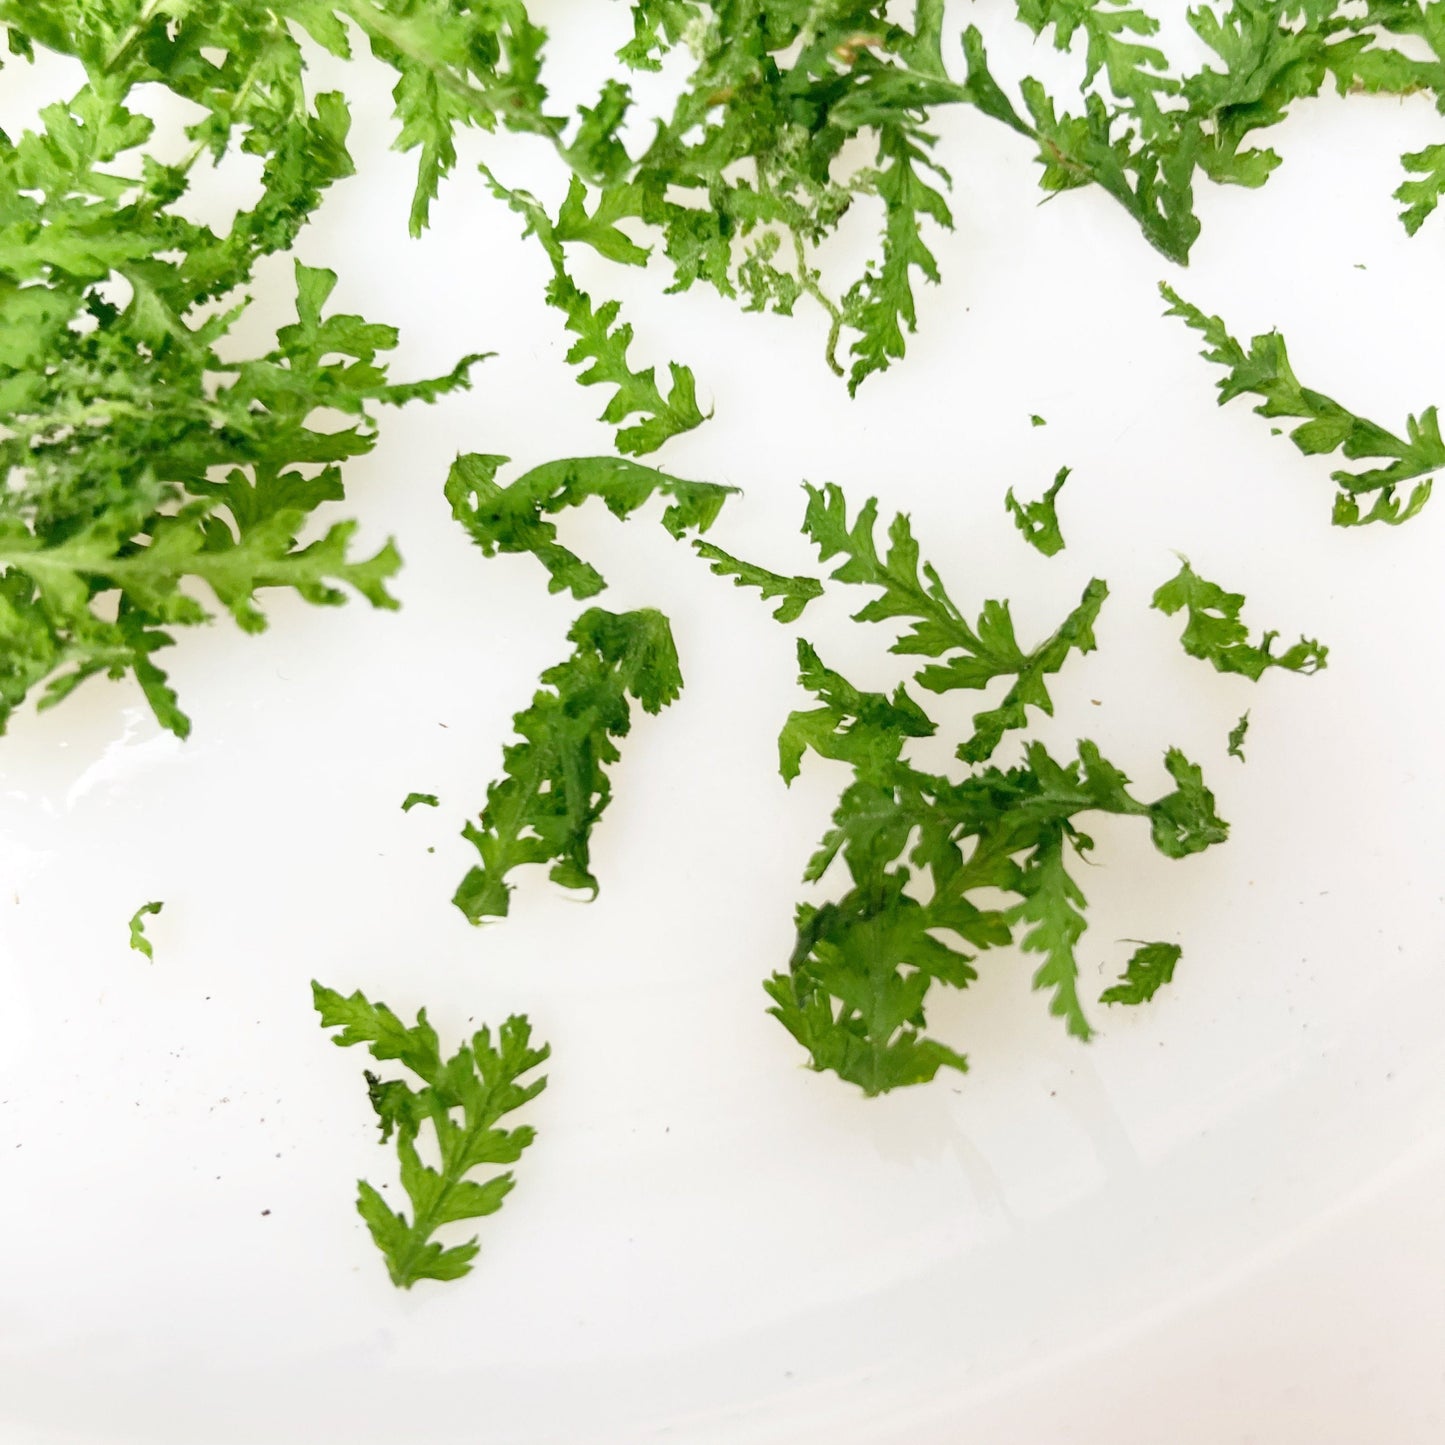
column 142, row 467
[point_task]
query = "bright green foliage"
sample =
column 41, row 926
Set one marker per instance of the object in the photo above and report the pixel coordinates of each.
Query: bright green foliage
column 1271, row 55
column 657, row 26
column 1237, row 735
column 1214, row 632
column 138, row 939
column 602, row 344
column 855, row 990
column 927, row 857
column 1148, row 970
column 968, row 656
column 1052, row 912
column 513, row 518
column 1038, row 522
column 881, row 306
column 1423, row 195
column 1425, row 21
column 1115, row 34
column 863, row 728
column 554, row 786
column 457, row 65
column 463, row 1099
column 1264, row 371
column 1150, row 176
column 134, row 458
column 999, row 654
column 791, row 117
column 1146, row 129
column 420, row 800
column 787, row 88
column 112, row 489
column 787, row 118
column 795, row 592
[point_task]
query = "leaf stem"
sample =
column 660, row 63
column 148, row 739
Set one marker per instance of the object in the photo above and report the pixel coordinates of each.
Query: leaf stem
column 807, row 278
column 127, row 41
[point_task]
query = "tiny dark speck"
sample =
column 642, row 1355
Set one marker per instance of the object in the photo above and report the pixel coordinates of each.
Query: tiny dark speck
column 264, row 1213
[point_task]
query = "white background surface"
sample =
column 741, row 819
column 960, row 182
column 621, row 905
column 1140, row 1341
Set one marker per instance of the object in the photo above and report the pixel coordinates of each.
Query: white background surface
column 1218, row 1223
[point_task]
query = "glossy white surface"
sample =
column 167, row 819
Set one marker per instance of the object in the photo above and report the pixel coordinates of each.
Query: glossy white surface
column 1218, row 1223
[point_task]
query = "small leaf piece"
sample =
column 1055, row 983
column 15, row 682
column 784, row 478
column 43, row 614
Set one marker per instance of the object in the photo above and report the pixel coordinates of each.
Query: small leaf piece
column 138, row 939
column 420, row 800
column 512, row 518
column 1052, row 908
column 1237, row 735
column 1038, row 522
column 463, row 1099
column 1150, row 968
column 1215, row 634
column 555, row 787
column 1423, row 195
column 1265, row 371
column 796, row 592
column 602, row 343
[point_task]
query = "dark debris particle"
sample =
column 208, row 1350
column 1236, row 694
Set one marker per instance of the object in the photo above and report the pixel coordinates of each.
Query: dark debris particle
column 264, row 1213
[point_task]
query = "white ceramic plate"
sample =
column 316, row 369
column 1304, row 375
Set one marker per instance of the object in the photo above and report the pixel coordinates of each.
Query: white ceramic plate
column 1218, row 1222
